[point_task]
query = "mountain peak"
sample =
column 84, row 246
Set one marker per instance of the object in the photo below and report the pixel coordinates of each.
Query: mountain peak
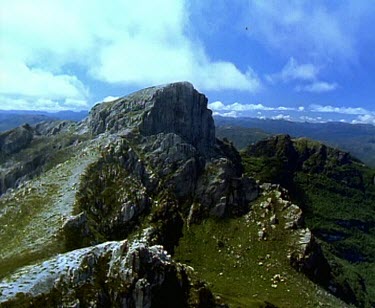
column 172, row 108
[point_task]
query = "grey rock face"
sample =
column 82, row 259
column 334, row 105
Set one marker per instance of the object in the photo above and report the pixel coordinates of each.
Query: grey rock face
column 174, row 108
column 54, row 127
column 26, row 149
column 16, row 139
column 180, row 109
column 112, row 274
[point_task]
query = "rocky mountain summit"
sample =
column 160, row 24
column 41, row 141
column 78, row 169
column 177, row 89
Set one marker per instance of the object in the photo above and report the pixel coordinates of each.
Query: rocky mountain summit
column 101, row 218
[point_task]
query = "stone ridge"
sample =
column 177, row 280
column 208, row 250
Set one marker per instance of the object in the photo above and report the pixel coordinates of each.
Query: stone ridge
column 173, row 108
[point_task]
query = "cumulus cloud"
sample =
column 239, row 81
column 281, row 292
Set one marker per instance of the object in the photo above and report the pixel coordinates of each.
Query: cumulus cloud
column 18, row 79
column 284, row 117
column 24, row 103
column 343, row 110
column 365, row 119
column 219, row 106
column 315, row 29
column 311, row 119
column 307, row 73
column 231, row 114
column 313, row 113
column 295, row 71
column 128, row 43
column 317, row 87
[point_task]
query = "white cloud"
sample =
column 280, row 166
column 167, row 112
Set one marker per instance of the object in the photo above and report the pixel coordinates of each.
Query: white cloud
column 294, row 71
column 231, row 114
column 365, row 119
column 9, row 103
column 43, row 43
column 109, row 98
column 285, row 117
column 155, row 49
column 16, row 78
column 311, row 119
column 216, row 106
column 315, row 29
column 317, row 87
column 244, row 107
column 343, row 110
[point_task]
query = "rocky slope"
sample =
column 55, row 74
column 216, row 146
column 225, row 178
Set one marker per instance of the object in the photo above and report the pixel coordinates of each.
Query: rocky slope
column 27, row 151
column 337, row 195
column 124, row 187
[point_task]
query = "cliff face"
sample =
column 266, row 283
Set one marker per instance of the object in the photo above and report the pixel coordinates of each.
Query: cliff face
column 174, row 108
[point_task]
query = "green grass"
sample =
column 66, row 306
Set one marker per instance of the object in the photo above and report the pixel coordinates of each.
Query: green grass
column 20, row 226
column 240, row 268
column 32, row 215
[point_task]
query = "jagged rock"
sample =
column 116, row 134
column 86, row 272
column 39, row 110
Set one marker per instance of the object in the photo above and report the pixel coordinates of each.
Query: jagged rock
column 119, row 274
column 261, row 235
column 308, row 257
column 21, row 155
column 174, row 108
column 49, row 128
column 16, row 139
column 293, row 217
column 273, row 220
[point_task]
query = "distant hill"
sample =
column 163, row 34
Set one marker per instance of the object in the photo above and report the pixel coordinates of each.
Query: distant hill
column 241, row 136
column 358, row 139
column 12, row 118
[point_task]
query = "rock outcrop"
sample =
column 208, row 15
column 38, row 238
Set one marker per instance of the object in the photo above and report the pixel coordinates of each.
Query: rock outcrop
column 112, row 274
column 16, row 139
column 174, row 108
column 305, row 254
column 26, row 150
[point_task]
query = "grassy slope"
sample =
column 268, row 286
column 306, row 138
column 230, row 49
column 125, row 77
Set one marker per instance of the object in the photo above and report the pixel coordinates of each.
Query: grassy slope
column 240, row 268
column 31, row 216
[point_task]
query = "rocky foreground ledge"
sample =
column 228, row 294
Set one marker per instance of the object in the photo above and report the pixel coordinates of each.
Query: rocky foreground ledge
column 112, row 274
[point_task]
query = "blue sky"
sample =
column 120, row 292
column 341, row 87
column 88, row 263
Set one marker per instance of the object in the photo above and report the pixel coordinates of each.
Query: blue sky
column 294, row 60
